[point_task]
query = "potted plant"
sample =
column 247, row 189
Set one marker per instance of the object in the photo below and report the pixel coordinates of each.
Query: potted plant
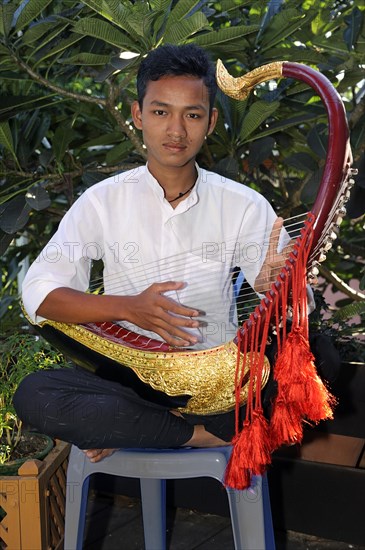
column 32, row 466
column 21, row 354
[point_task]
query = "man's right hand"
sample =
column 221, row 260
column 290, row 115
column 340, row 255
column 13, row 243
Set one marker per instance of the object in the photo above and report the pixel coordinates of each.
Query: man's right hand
column 153, row 311
column 150, row 310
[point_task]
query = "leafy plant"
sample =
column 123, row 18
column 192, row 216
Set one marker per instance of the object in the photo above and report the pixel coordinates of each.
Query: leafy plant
column 347, row 334
column 21, row 354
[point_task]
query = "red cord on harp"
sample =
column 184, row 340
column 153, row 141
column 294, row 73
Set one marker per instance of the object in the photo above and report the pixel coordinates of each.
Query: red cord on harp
column 301, row 394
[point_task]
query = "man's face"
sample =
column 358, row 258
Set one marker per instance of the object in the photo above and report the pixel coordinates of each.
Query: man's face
column 174, row 120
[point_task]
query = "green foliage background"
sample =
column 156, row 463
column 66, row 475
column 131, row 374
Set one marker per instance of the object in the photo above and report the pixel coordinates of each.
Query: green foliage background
column 66, row 91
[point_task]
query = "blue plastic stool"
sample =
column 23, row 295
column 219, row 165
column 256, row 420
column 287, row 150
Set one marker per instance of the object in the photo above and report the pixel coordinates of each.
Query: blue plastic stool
column 250, row 509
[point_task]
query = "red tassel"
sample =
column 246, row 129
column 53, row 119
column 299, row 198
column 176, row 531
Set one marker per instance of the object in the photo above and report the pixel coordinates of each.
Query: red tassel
column 309, row 392
column 251, row 452
column 301, row 393
column 286, row 425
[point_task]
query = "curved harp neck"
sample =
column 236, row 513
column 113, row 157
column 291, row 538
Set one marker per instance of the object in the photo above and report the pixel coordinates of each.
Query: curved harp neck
column 241, row 87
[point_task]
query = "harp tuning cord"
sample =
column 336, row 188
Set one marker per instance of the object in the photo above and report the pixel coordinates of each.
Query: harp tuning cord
column 334, row 227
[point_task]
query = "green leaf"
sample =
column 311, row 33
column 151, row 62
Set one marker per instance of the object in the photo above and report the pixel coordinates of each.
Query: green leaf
column 354, row 23
column 349, row 311
column 104, row 31
column 260, row 150
column 5, row 240
column 6, row 139
column 258, row 113
column 62, row 139
column 4, row 51
column 284, row 124
column 85, row 58
column 283, row 25
column 30, row 135
column 140, row 25
column 119, row 152
column 90, row 178
column 116, row 64
column 301, row 161
column 36, row 31
column 12, row 106
column 20, row 186
column 48, row 41
column 161, row 5
column 297, row 54
column 335, row 45
column 225, row 35
column 15, row 215
column 116, row 12
column 177, row 33
column 227, row 167
column 37, row 197
column 358, row 135
column 6, row 17
column 61, row 46
column 310, row 189
column 318, row 139
column 29, row 11
column 320, row 22
column 181, row 10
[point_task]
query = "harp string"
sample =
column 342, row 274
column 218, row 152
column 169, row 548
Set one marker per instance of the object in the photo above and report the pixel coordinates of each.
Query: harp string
column 171, row 266
column 240, row 300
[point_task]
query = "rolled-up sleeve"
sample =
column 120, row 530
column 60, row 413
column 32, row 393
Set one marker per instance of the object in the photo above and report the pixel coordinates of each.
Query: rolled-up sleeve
column 256, row 228
column 66, row 260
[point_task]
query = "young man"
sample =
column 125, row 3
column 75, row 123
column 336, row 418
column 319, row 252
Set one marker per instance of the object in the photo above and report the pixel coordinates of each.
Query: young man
column 169, row 234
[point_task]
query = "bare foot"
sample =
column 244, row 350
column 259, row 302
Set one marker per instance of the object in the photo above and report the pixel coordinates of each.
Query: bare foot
column 202, row 438
column 95, row 455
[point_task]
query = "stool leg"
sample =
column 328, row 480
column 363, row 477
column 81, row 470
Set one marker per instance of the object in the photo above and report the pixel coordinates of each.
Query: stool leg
column 269, row 528
column 75, row 514
column 248, row 517
column 153, row 497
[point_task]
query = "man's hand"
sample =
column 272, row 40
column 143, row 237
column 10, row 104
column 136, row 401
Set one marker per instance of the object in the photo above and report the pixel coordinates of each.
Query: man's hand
column 150, row 310
column 274, row 260
column 153, row 311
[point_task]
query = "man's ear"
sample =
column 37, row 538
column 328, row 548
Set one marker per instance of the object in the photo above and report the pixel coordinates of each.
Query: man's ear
column 213, row 120
column 136, row 115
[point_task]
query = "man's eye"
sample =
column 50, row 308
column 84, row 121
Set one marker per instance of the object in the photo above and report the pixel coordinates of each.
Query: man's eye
column 193, row 115
column 159, row 112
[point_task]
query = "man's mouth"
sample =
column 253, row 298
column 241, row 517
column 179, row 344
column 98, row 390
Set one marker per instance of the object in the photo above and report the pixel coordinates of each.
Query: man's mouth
column 174, row 146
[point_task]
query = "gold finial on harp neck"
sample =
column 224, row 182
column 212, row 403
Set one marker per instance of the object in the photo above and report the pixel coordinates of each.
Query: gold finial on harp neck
column 241, row 87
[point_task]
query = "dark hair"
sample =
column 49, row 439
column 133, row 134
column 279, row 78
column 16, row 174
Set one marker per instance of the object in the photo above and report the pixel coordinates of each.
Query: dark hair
column 171, row 60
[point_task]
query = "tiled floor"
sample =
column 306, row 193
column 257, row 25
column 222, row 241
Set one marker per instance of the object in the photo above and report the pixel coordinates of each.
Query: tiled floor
column 115, row 523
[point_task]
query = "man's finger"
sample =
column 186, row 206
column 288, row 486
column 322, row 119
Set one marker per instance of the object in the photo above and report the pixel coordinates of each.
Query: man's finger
column 275, row 234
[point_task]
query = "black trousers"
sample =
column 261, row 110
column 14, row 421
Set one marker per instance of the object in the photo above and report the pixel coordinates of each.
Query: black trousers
column 81, row 408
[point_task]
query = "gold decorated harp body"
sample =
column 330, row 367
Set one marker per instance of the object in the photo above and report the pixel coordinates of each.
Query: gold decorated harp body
column 203, row 382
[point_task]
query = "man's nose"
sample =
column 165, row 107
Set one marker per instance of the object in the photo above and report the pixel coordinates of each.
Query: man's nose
column 176, row 127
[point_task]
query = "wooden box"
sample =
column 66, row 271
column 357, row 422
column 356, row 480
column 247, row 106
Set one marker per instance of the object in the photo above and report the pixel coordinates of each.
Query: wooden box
column 32, row 503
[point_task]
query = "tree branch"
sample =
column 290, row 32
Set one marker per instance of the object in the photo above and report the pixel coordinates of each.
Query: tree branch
column 357, row 113
column 71, row 174
column 122, row 123
column 109, row 104
column 66, row 93
column 331, row 277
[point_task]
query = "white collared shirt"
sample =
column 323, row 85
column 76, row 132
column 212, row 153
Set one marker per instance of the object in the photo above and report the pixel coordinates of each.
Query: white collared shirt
column 126, row 221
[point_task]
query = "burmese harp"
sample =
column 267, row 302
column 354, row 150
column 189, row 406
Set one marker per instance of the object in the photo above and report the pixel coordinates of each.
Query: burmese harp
column 203, row 382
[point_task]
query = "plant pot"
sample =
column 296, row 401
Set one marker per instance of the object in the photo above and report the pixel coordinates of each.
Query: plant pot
column 11, row 468
column 33, row 503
